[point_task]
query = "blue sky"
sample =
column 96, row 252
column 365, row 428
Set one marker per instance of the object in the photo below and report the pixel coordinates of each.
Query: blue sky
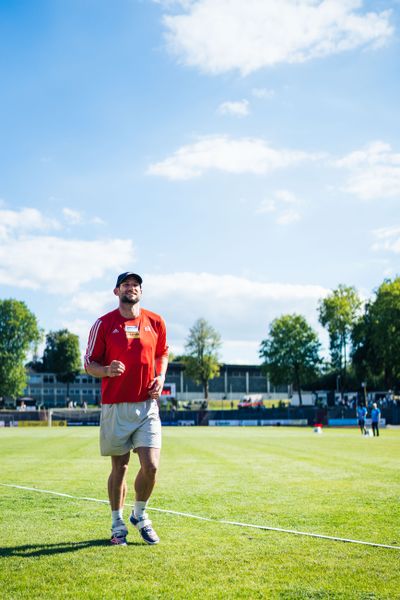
column 244, row 158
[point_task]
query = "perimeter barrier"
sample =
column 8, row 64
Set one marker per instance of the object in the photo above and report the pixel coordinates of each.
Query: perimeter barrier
column 295, row 416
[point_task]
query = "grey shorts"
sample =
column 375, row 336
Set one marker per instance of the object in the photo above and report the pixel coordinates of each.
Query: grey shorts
column 129, row 425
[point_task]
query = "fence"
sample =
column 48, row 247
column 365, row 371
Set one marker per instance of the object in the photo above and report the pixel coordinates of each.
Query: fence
column 291, row 415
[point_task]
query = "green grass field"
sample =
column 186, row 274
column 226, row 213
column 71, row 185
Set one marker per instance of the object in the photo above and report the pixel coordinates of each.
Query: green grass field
column 335, row 484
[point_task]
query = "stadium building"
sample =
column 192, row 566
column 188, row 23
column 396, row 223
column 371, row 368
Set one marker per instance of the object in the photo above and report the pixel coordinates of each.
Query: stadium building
column 233, row 382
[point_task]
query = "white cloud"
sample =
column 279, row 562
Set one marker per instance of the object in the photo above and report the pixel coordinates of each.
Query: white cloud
column 93, row 303
column 238, row 352
column 217, row 36
column 262, row 93
column 222, row 153
column 24, row 220
column 267, row 206
column 286, row 196
column 97, row 221
column 229, row 287
column 59, row 265
column 279, row 206
column 72, row 216
column 238, row 109
column 388, row 239
column 240, row 309
column 80, row 327
column 288, row 216
column 374, row 171
column 30, row 221
column 195, row 285
column 75, row 217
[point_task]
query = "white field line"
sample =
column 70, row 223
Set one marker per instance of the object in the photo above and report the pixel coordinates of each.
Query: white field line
column 222, row 521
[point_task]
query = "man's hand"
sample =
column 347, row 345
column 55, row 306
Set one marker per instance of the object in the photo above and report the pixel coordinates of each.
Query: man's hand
column 115, row 369
column 156, row 387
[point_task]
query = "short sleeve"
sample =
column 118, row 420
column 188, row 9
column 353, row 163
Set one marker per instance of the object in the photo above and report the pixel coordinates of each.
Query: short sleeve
column 95, row 350
column 161, row 347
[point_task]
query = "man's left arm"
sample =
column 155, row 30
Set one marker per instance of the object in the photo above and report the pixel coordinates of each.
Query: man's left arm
column 161, row 363
column 156, row 387
column 161, row 368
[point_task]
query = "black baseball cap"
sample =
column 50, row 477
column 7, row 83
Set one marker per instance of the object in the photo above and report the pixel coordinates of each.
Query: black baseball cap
column 127, row 274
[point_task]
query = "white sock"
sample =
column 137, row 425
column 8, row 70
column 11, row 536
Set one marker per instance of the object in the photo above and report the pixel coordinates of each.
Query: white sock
column 139, row 512
column 117, row 518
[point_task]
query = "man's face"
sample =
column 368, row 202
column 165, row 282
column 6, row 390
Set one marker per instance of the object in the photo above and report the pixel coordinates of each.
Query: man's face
column 129, row 292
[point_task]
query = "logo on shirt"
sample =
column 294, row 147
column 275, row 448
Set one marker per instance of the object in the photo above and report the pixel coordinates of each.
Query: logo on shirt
column 132, row 332
column 147, row 328
column 116, row 331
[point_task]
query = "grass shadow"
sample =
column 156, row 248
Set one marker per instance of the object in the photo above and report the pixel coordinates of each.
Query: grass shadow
column 30, row 550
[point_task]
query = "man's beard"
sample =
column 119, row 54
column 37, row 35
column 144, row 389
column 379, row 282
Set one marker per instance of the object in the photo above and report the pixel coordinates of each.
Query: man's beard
column 129, row 300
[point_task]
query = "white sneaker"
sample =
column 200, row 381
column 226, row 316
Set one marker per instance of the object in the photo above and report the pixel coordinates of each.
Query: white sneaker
column 145, row 529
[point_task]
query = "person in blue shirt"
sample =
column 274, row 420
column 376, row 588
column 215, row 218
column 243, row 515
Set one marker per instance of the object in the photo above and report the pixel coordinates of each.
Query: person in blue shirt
column 361, row 415
column 375, row 418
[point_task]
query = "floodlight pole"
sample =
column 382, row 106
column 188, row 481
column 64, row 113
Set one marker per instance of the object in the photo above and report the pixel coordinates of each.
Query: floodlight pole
column 364, row 384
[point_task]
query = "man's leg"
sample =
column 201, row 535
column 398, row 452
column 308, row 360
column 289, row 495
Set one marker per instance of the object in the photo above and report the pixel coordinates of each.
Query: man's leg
column 117, row 489
column 145, row 480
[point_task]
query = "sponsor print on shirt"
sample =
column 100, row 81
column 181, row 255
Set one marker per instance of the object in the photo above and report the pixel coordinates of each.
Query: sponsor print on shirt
column 132, row 332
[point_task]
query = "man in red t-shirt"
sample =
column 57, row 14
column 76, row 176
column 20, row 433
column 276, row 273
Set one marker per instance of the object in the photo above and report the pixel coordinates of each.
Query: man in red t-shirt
column 128, row 349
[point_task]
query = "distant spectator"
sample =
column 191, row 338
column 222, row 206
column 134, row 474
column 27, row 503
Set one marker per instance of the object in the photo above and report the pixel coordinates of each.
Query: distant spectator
column 361, row 416
column 375, row 419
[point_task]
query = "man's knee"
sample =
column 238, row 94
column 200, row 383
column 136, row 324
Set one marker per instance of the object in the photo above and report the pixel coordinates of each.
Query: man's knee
column 149, row 468
column 119, row 464
column 149, row 460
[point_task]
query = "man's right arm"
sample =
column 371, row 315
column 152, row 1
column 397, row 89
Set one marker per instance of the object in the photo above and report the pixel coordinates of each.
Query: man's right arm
column 96, row 348
column 114, row 369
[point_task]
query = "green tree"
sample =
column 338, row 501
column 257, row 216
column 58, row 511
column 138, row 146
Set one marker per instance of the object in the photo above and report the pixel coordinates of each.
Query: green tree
column 62, row 356
column 19, row 333
column 201, row 359
column 291, row 351
column 338, row 313
column 363, row 356
column 376, row 337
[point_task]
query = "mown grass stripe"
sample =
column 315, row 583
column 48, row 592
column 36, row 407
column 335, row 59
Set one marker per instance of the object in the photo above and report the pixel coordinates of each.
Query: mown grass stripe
column 221, row 521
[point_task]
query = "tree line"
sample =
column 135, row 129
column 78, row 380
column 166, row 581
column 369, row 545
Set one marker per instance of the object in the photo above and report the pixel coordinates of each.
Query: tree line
column 20, row 335
column 364, row 343
column 364, row 346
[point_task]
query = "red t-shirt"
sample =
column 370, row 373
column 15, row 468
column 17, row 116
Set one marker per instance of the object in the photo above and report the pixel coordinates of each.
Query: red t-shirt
column 136, row 343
